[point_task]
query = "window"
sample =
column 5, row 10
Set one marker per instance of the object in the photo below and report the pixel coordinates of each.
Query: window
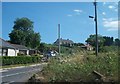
column 4, row 52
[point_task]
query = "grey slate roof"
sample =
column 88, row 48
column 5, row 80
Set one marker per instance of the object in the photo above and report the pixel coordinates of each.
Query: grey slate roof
column 20, row 47
column 64, row 40
column 5, row 44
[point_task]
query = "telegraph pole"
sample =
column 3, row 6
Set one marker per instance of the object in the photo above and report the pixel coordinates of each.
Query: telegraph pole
column 96, row 29
column 59, row 38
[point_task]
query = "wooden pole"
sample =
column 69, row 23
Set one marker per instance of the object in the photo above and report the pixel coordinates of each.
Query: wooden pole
column 59, row 37
column 96, row 29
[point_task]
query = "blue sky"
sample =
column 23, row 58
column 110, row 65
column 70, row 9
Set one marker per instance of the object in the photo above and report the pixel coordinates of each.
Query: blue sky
column 73, row 17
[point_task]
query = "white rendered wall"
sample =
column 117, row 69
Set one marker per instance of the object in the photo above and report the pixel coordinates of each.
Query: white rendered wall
column 17, row 51
column 11, row 52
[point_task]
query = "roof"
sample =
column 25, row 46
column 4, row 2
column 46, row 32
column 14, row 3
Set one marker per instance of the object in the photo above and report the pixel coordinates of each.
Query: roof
column 5, row 44
column 20, row 47
column 64, row 40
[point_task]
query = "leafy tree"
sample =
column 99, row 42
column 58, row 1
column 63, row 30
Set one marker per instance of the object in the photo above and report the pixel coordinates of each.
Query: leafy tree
column 78, row 44
column 23, row 33
column 17, row 37
column 34, row 40
column 117, row 42
column 92, row 40
column 23, row 24
column 108, row 41
column 42, row 47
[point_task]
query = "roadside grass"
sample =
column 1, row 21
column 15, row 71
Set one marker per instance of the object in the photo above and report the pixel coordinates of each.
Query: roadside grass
column 79, row 67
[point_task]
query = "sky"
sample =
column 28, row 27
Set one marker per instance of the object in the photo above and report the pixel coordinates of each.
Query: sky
column 73, row 18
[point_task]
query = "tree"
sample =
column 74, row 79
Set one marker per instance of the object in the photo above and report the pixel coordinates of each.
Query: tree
column 108, row 41
column 42, row 47
column 23, row 24
column 78, row 44
column 35, row 40
column 92, row 40
column 117, row 42
column 23, row 33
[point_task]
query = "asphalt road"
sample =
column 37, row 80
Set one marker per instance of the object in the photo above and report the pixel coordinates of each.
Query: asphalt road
column 21, row 74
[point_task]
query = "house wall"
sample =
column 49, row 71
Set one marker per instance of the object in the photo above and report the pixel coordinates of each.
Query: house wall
column 17, row 51
column 3, row 51
column 27, row 52
column 11, row 52
column 0, row 51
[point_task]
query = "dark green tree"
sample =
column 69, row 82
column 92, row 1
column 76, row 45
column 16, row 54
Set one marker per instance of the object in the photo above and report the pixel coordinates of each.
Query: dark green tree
column 92, row 40
column 117, row 42
column 78, row 44
column 42, row 47
column 23, row 33
column 23, row 24
column 108, row 41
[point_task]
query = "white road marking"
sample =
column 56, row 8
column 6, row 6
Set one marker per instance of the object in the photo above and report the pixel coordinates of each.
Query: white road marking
column 20, row 73
column 11, row 82
column 3, row 71
column 7, row 82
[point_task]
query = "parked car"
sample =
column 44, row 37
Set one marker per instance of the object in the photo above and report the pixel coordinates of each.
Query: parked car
column 49, row 54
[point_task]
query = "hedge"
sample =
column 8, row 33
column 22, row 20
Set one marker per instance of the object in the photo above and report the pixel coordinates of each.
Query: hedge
column 11, row 60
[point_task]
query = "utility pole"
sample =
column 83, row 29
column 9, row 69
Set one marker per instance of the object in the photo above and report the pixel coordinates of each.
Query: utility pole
column 59, row 38
column 96, row 29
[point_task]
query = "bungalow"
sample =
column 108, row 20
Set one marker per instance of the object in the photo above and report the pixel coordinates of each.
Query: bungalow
column 8, row 49
column 21, row 49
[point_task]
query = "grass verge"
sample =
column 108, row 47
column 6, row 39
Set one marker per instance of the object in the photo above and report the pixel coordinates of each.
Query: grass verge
column 79, row 68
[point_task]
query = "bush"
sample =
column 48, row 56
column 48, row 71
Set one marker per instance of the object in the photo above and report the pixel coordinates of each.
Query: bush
column 8, row 60
column 20, row 54
column 81, row 69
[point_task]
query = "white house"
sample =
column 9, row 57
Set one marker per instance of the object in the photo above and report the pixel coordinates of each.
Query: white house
column 8, row 49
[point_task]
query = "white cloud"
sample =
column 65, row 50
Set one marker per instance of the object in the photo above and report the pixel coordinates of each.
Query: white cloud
column 77, row 10
column 69, row 15
column 111, row 24
column 103, row 13
column 111, row 7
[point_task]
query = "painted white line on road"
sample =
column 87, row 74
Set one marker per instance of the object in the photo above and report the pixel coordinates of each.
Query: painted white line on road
column 20, row 73
column 11, row 82
column 7, row 82
column 3, row 71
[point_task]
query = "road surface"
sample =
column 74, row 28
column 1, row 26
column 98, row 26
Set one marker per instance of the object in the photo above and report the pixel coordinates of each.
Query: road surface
column 21, row 74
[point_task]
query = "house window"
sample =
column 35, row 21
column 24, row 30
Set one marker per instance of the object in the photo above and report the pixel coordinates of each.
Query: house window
column 4, row 53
